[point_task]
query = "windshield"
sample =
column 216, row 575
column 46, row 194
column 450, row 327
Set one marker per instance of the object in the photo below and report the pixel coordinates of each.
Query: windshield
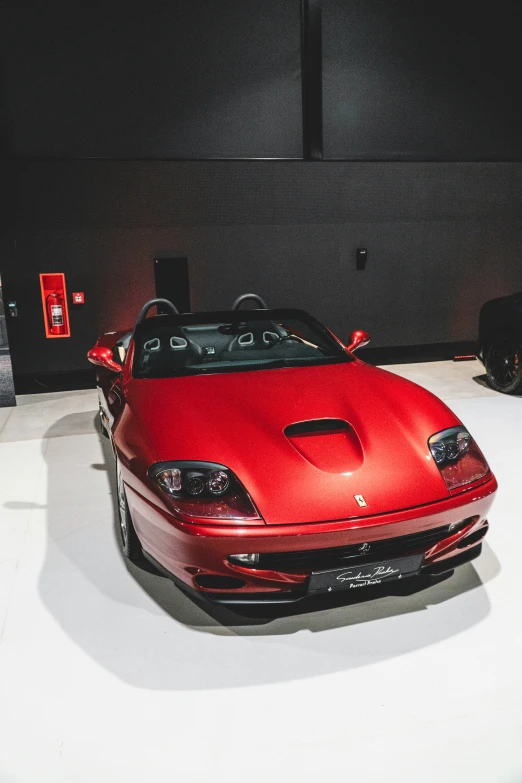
column 202, row 343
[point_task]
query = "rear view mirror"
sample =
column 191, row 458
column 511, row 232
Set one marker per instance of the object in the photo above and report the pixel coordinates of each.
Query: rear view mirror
column 357, row 340
column 102, row 356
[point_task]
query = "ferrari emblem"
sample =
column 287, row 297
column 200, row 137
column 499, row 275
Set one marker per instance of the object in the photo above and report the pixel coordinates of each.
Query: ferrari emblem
column 364, row 549
column 361, row 501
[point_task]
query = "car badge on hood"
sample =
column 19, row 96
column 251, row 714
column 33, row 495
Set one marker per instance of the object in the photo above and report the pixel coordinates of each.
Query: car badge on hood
column 361, row 501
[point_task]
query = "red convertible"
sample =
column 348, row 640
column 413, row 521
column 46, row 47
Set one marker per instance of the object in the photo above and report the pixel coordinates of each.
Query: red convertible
column 259, row 460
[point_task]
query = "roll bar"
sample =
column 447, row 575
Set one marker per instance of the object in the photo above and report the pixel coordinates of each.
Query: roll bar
column 244, row 297
column 146, row 307
column 174, row 311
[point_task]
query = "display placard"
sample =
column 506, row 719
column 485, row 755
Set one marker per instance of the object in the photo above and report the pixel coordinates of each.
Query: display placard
column 54, row 304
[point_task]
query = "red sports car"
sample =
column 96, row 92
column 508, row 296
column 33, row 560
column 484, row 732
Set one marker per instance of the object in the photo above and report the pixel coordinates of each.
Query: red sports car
column 258, row 460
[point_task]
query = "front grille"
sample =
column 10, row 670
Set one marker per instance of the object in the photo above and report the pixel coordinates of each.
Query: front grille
column 338, row 557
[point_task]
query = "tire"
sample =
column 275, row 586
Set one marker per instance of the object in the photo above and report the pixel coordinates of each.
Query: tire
column 503, row 363
column 129, row 540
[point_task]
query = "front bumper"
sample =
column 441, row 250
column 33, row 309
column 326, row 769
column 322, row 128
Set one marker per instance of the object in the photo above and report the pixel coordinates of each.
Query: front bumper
column 196, row 556
column 298, row 594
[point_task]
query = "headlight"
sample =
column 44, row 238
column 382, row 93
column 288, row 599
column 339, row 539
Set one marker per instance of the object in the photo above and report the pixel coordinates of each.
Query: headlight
column 203, row 489
column 218, row 482
column 457, row 456
column 194, row 484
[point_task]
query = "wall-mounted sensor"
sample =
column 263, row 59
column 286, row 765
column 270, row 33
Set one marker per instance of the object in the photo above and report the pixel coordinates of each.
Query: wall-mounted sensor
column 12, row 309
column 362, row 255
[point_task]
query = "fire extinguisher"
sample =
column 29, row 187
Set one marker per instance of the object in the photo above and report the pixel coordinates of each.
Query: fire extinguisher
column 55, row 313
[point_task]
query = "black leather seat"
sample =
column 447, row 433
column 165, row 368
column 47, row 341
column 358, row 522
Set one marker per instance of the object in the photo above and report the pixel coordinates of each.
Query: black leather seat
column 167, row 348
column 257, row 335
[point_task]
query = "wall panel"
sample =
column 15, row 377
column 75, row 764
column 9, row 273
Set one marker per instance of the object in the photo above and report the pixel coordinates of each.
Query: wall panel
column 441, row 239
column 188, row 79
column 406, row 80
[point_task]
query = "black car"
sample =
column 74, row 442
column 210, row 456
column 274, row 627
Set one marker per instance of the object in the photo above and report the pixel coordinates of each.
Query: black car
column 500, row 342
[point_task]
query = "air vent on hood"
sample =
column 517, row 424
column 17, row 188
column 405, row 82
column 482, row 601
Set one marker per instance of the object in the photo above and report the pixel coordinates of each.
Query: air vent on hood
column 316, row 425
column 331, row 445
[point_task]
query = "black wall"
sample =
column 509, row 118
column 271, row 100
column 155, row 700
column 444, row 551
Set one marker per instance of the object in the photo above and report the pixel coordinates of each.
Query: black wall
column 186, row 79
column 441, row 237
column 431, row 94
column 409, row 80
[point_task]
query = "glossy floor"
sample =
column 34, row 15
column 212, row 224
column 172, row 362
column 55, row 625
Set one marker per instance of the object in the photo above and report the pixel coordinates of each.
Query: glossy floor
column 109, row 673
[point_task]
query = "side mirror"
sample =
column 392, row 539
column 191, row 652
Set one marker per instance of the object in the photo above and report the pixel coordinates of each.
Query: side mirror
column 102, row 356
column 357, row 340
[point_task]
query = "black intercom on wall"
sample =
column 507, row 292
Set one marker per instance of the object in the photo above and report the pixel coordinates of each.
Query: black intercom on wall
column 172, row 281
column 361, row 257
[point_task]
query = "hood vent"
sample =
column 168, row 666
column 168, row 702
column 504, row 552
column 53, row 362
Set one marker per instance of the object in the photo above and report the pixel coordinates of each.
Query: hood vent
column 331, row 445
column 316, row 426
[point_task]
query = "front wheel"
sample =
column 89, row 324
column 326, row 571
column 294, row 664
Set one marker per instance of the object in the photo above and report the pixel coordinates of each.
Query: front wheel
column 503, row 363
column 104, row 430
column 130, row 542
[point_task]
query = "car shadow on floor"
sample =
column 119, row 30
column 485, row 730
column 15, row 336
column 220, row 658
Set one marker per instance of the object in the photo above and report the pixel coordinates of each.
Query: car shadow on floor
column 482, row 380
column 122, row 622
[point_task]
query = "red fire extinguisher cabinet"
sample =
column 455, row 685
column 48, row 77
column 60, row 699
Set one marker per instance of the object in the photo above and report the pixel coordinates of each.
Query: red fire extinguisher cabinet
column 54, row 303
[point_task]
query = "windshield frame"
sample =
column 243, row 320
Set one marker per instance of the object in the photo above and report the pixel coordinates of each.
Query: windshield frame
column 339, row 352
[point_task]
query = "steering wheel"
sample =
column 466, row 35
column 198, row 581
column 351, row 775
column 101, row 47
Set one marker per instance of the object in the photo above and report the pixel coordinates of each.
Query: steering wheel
column 284, row 339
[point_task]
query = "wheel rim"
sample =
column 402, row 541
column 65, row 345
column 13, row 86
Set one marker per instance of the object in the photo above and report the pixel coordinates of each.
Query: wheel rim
column 504, row 362
column 122, row 508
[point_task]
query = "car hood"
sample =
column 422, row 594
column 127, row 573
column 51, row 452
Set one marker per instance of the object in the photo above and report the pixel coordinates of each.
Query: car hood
column 377, row 450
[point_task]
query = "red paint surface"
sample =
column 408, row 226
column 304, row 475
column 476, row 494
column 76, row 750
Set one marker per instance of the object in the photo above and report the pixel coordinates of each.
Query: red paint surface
column 188, row 549
column 102, row 356
column 332, row 452
column 238, row 419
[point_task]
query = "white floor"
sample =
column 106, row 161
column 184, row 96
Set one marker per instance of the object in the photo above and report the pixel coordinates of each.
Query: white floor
column 111, row 674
